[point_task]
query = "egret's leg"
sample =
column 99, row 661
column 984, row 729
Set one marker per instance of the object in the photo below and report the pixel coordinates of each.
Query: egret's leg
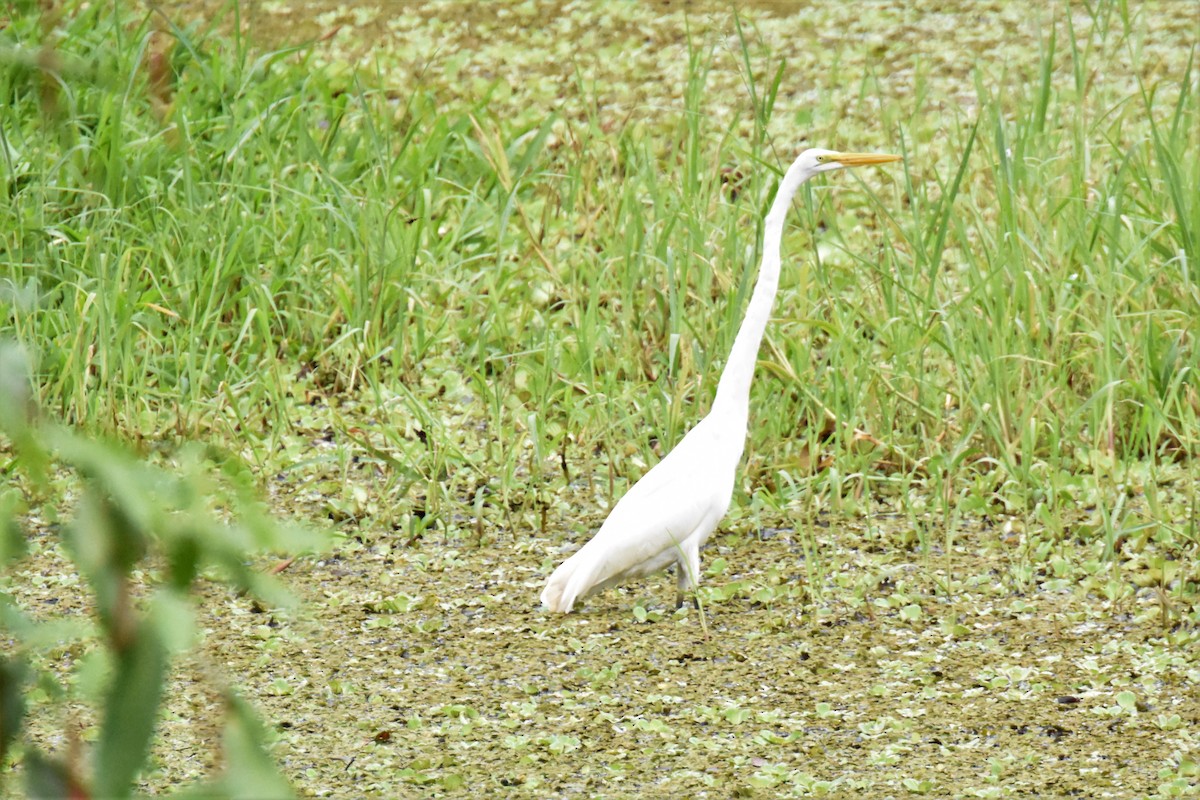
column 688, row 578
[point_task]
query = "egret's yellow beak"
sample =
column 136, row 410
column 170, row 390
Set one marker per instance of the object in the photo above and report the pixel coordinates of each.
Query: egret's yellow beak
column 863, row 159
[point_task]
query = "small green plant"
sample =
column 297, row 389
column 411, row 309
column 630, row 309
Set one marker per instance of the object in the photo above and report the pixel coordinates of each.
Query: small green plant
column 131, row 520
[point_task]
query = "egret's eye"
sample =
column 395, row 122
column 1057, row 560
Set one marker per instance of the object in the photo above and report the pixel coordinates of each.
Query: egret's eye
column 822, row 159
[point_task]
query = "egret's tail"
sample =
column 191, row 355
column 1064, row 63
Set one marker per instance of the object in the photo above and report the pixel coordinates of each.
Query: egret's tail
column 561, row 591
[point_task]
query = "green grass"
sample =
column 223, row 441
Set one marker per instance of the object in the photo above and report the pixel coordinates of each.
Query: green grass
column 497, row 295
column 1017, row 300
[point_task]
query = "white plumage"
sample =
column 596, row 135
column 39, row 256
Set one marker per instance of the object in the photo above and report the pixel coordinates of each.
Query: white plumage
column 667, row 516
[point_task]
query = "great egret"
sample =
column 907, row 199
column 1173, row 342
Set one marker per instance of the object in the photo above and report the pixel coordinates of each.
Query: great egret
column 668, row 515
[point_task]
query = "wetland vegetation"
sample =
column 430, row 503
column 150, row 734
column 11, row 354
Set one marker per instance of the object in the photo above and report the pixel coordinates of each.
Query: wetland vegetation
column 412, row 295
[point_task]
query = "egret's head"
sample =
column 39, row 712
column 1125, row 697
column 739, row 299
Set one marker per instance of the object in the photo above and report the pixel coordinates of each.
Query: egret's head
column 818, row 160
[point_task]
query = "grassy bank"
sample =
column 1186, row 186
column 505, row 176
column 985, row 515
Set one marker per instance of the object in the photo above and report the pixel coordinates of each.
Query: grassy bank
column 200, row 240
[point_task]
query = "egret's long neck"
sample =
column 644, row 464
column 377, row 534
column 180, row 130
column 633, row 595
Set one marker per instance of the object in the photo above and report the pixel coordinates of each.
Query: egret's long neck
column 733, row 390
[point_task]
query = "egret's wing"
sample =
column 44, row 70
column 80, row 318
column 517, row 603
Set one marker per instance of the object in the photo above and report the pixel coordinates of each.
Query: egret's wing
column 684, row 495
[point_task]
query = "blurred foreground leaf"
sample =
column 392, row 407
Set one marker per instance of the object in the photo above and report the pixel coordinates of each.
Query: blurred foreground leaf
column 130, row 713
column 195, row 516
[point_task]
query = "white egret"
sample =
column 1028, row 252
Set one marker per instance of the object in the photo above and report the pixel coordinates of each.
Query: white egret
column 668, row 515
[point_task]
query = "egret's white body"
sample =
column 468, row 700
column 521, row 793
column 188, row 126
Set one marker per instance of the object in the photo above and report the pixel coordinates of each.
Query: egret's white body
column 667, row 516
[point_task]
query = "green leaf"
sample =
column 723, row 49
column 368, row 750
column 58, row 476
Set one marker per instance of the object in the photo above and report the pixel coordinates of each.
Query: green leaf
column 183, row 554
column 717, row 567
column 12, row 702
column 173, row 621
column 12, row 539
column 250, row 773
column 16, row 407
column 130, row 713
column 47, row 778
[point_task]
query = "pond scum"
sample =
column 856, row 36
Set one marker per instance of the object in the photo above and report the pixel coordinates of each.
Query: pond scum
column 327, row 331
